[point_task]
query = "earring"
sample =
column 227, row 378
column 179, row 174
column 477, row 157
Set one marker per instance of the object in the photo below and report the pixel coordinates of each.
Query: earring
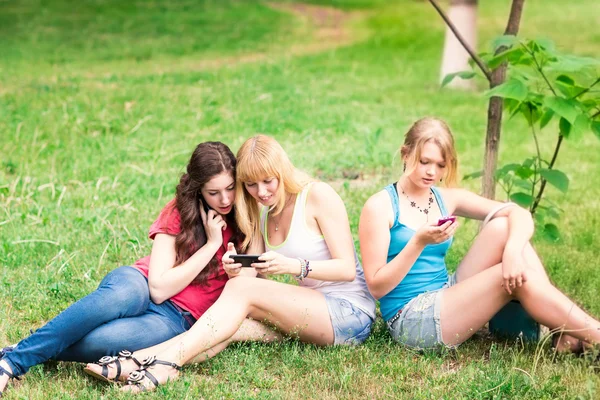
column 404, row 169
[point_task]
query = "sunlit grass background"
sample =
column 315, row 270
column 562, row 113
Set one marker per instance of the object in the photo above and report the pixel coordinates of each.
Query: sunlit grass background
column 102, row 102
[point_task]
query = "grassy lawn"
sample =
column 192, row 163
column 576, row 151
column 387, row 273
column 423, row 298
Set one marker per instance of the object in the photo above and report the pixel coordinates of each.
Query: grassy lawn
column 102, row 102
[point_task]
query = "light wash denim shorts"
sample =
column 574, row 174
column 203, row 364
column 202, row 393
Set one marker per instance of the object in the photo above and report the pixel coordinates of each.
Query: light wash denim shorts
column 351, row 325
column 418, row 325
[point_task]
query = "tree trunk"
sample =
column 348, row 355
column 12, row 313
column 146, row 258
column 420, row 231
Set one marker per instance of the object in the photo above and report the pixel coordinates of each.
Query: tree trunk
column 494, row 125
column 463, row 14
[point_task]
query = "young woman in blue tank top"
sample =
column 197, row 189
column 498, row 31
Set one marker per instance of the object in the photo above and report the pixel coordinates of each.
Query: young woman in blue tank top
column 403, row 251
column 304, row 229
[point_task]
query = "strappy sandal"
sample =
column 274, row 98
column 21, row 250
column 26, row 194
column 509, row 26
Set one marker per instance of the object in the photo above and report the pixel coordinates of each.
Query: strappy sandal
column 105, row 361
column 137, row 377
column 3, row 371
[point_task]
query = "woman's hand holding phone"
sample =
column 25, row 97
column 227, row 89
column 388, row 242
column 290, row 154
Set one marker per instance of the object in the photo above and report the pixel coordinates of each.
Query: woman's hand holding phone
column 273, row 263
column 229, row 265
column 214, row 225
column 433, row 233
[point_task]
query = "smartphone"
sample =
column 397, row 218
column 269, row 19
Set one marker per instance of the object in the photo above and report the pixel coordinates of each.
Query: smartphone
column 443, row 220
column 246, row 259
column 205, row 205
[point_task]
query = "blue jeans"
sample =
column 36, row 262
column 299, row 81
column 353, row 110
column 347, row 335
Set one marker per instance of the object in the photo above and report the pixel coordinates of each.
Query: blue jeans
column 118, row 315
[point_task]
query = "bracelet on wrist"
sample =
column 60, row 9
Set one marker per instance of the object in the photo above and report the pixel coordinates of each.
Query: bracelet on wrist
column 303, row 263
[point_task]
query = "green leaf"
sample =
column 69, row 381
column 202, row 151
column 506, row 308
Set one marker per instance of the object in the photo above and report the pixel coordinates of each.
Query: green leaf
column 523, row 184
column 564, row 127
column 511, row 89
column 524, row 172
column 565, row 79
column 514, row 55
column 522, row 199
column 546, row 118
column 505, row 169
column 556, row 178
column 461, row 74
column 581, row 125
column 473, row 175
column 504, row 40
column 568, row 63
column 528, row 162
column 596, row 128
column 551, row 232
column 530, row 111
column 546, row 44
column 566, row 108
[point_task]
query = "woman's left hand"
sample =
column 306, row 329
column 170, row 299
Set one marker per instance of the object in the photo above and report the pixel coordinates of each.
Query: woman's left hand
column 513, row 270
column 274, row 263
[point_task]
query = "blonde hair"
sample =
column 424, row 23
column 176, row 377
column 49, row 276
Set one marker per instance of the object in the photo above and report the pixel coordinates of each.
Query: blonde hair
column 434, row 130
column 259, row 158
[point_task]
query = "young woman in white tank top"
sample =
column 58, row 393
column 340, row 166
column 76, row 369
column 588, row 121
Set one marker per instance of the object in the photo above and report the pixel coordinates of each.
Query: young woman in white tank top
column 305, row 231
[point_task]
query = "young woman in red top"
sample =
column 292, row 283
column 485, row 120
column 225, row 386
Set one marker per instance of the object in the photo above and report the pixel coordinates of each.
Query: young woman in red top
column 158, row 298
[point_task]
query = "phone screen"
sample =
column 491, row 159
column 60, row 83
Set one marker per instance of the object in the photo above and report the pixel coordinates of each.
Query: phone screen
column 246, row 259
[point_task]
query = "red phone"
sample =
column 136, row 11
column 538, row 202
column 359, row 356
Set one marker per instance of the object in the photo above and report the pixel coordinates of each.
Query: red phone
column 443, row 220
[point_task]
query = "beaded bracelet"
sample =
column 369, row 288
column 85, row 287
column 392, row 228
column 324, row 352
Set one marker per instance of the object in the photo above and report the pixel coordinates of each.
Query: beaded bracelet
column 308, row 269
column 303, row 273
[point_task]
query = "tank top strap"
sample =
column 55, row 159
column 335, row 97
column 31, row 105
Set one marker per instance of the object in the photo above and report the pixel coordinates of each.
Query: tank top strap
column 393, row 193
column 440, row 200
column 300, row 210
column 263, row 219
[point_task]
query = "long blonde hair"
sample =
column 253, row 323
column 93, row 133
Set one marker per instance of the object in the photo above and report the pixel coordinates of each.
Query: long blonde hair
column 259, row 158
column 434, row 130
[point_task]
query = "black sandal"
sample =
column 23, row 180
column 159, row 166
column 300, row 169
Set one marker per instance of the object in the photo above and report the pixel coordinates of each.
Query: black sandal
column 107, row 360
column 136, row 377
column 3, row 371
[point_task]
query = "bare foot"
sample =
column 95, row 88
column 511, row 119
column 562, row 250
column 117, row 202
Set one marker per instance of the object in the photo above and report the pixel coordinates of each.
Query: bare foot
column 564, row 343
column 148, row 379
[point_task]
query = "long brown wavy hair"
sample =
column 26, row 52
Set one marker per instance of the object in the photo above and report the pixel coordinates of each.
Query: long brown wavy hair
column 208, row 160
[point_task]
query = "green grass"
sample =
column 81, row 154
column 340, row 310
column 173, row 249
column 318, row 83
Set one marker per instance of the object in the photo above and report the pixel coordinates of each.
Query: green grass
column 101, row 104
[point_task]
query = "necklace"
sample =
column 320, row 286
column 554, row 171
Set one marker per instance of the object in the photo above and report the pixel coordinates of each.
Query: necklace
column 413, row 203
column 280, row 215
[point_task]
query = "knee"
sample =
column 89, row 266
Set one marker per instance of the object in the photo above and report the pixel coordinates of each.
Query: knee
column 535, row 282
column 241, row 289
column 237, row 285
column 125, row 286
column 497, row 228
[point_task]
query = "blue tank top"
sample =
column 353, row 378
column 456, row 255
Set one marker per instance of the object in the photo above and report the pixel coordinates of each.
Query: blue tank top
column 429, row 270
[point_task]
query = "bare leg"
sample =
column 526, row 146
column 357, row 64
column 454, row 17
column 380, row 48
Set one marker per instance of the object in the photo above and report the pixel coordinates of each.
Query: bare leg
column 250, row 330
column 487, row 250
column 293, row 310
column 469, row 304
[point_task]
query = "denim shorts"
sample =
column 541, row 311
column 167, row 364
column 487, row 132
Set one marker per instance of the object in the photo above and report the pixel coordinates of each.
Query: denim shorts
column 350, row 324
column 418, row 325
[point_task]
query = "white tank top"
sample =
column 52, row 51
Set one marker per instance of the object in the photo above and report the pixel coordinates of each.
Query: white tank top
column 301, row 242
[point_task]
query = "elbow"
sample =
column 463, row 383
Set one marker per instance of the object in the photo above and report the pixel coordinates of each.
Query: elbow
column 349, row 272
column 376, row 290
column 157, row 295
column 350, row 277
